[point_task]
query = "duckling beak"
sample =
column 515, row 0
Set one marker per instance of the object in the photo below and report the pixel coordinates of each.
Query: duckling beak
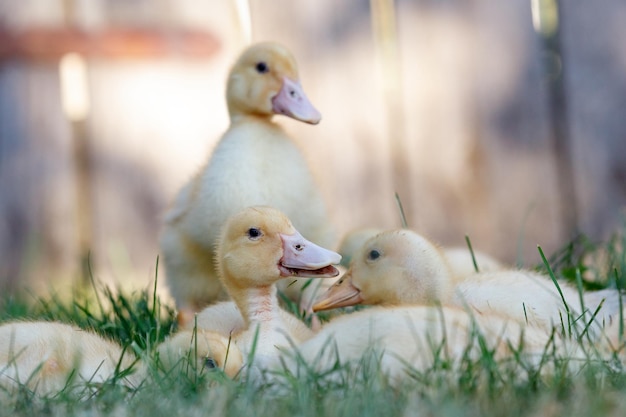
column 342, row 294
column 292, row 102
column 303, row 258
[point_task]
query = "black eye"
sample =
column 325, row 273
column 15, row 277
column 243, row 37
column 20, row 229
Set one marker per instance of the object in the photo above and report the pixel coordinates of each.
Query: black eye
column 210, row 363
column 254, row 233
column 373, row 255
column 262, row 68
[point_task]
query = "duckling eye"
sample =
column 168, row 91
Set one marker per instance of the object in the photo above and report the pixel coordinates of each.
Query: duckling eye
column 254, row 233
column 210, row 363
column 373, row 255
column 262, row 68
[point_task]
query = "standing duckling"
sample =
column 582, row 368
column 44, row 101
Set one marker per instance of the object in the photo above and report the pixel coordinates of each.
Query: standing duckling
column 254, row 163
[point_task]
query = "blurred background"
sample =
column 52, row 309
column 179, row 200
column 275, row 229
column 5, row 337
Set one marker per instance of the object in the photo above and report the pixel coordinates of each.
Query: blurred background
column 504, row 121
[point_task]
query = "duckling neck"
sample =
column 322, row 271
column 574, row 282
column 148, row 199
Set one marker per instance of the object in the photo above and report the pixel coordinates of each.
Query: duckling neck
column 258, row 306
column 239, row 117
column 265, row 326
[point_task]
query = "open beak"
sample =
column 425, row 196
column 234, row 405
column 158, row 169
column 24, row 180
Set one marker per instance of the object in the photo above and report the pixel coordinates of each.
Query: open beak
column 292, row 102
column 302, row 258
column 342, row 294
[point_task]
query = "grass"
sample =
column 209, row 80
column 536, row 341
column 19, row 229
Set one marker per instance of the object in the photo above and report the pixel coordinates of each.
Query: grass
column 481, row 386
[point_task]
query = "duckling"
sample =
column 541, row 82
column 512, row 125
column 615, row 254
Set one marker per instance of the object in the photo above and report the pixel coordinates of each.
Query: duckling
column 254, row 163
column 258, row 247
column 210, row 350
column 401, row 267
column 406, row 339
column 47, row 356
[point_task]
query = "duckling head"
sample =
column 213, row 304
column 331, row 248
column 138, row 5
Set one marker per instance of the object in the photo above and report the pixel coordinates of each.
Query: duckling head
column 264, row 81
column 209, row 350
column 352, row 242
column 260, row 246
column 391, row 268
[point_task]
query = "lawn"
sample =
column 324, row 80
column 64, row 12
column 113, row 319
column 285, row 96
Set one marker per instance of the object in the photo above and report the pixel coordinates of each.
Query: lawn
column 480, row 386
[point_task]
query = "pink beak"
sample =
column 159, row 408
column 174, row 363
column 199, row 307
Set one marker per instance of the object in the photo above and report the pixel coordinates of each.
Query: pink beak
column 304, row 258
column 292, row 102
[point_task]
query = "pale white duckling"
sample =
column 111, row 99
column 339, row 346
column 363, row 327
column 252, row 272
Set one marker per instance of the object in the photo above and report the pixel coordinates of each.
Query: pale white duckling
column 405, row 338
column 259, row 247
column 401, row 267
column 48, row 357
column 254, row 163
column 459, row 259
column 200, row 350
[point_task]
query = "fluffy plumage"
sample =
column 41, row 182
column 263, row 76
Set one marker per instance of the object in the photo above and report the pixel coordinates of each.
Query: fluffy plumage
column 414, row 338
column 258, row 248
column 254, row 163
column 48, row 356
column 401, row 267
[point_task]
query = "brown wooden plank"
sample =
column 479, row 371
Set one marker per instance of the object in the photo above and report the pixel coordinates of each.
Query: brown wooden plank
column 49, row 44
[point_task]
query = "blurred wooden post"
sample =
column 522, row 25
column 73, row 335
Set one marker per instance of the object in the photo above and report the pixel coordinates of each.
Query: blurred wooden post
column 547, row 21
column 75, row 100
column 386, row 39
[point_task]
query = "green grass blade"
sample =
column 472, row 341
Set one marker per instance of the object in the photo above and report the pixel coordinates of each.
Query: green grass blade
column 558, row 287
column 469, row 245
column 405, row 225
column 621, row 306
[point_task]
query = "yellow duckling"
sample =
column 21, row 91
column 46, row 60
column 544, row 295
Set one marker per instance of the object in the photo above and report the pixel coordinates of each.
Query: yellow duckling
column 48, row 357
column 259, row 247
column 254, row 163
column 401, row 267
